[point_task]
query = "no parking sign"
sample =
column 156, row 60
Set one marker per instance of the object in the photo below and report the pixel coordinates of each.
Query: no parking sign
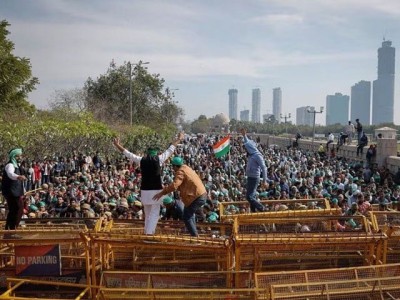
column 43, row 260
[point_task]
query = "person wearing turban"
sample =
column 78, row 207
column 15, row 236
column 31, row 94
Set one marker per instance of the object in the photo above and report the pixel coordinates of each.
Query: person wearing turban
column 150, row 167
column 13, row 190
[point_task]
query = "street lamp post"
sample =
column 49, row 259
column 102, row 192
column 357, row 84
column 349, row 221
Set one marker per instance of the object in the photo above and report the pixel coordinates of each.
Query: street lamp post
column 170, row 92
column 286, row 117
column 130, row 86
column 313, row 111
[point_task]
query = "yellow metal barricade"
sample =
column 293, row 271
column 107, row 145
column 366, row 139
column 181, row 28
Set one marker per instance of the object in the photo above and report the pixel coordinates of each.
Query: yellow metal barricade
column 373, row 288
column 388, row 222
column 279, row 242
column 284, row 283
column 229, row 209
column 173, row 294
column 72, row 240
column 159, row 253
column 20, row 289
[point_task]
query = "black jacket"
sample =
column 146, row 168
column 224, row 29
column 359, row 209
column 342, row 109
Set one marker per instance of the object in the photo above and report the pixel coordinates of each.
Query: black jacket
column 151, row 173
column 13, row 188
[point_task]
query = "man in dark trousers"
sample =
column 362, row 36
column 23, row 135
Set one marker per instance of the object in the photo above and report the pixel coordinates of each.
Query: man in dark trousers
column 359, row 130
column 192, row 192
column 13, row 190
column 362, row 143
column 255, row 167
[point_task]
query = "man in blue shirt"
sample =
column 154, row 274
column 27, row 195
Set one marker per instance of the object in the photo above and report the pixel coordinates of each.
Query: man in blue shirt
column 255, row 168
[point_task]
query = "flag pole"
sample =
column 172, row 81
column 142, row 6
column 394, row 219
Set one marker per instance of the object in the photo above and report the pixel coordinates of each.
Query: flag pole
column 229, row 153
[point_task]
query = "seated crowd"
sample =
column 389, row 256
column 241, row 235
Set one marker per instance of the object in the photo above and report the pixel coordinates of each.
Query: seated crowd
column 88, row 186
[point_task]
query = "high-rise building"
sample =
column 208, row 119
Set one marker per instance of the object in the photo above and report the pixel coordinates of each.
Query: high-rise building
column 303, row 117
column 337, row 109
column 245, row 115
column 256, row 106
column 383, row 87
column 361, row 102
column 277, row 103
column 233, row 104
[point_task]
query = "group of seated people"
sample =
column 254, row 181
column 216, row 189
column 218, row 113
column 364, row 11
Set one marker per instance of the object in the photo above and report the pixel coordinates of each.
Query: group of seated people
column 112, row 190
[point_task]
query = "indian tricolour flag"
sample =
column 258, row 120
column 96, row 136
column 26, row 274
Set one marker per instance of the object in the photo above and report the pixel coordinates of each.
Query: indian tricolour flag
column 222, row 147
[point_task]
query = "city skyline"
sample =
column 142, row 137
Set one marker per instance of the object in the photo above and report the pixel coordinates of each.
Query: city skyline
column 312, row 49
column 342, row 108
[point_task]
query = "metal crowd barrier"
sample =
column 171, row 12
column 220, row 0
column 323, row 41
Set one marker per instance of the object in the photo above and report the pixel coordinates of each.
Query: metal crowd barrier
column 338, row 283
column 21, row 289
column 388, row 222
column 228, row 210
column 126, row 251
column 288, row 242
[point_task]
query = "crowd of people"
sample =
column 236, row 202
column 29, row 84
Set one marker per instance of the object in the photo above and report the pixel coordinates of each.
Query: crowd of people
column 189, row 182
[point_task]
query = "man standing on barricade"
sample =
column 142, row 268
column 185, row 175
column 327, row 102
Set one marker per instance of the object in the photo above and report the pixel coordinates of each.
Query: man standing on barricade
column 255, row 168
column 150, row 166
column 13, row 190
column 192, row 192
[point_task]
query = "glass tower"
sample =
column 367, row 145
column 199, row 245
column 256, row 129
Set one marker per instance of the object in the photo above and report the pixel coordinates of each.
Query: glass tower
column 277, row 103
column 361, row 102
column 256, row 106
column 337, row 109
column 383, row 87
column 233, row 93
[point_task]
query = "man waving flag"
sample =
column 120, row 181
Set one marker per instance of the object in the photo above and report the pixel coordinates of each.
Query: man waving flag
column 222, row 147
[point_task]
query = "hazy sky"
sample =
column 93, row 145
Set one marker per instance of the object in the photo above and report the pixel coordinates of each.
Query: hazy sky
column 308, row 48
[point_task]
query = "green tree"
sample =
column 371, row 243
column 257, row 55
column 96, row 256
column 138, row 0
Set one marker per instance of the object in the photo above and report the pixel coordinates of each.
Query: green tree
column 108, row 97
column 16, row 79
column 73, row 100
column 201, row 125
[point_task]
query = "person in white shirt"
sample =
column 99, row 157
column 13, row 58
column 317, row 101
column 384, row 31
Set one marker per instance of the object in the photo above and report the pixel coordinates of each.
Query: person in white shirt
column 349, row 130
column 331, row 138
column 13, row 190
column 150, row 166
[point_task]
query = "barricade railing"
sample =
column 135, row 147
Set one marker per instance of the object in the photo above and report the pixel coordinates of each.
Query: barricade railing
column 201, row 280
column 388, row 222
column 168, row 227
column 373, row 288
column 284, row 281
column 23, row 288
column 69, row 247
column 307, row 242
column 173, row 294
column 229, row 209
column 160, row 253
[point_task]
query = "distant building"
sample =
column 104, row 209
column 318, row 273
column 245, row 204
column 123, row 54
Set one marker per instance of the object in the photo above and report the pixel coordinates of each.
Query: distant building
column 277, row 103
column 233, row 93
column 245, row 115
column 268, row 118
column 220, row 123
column 361, row 102
column 256, row 106
column 383, row 87
column 337, row 109
column 303, row 117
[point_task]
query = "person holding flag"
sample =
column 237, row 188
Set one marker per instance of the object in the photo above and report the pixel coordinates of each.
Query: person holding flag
column 255, row 169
